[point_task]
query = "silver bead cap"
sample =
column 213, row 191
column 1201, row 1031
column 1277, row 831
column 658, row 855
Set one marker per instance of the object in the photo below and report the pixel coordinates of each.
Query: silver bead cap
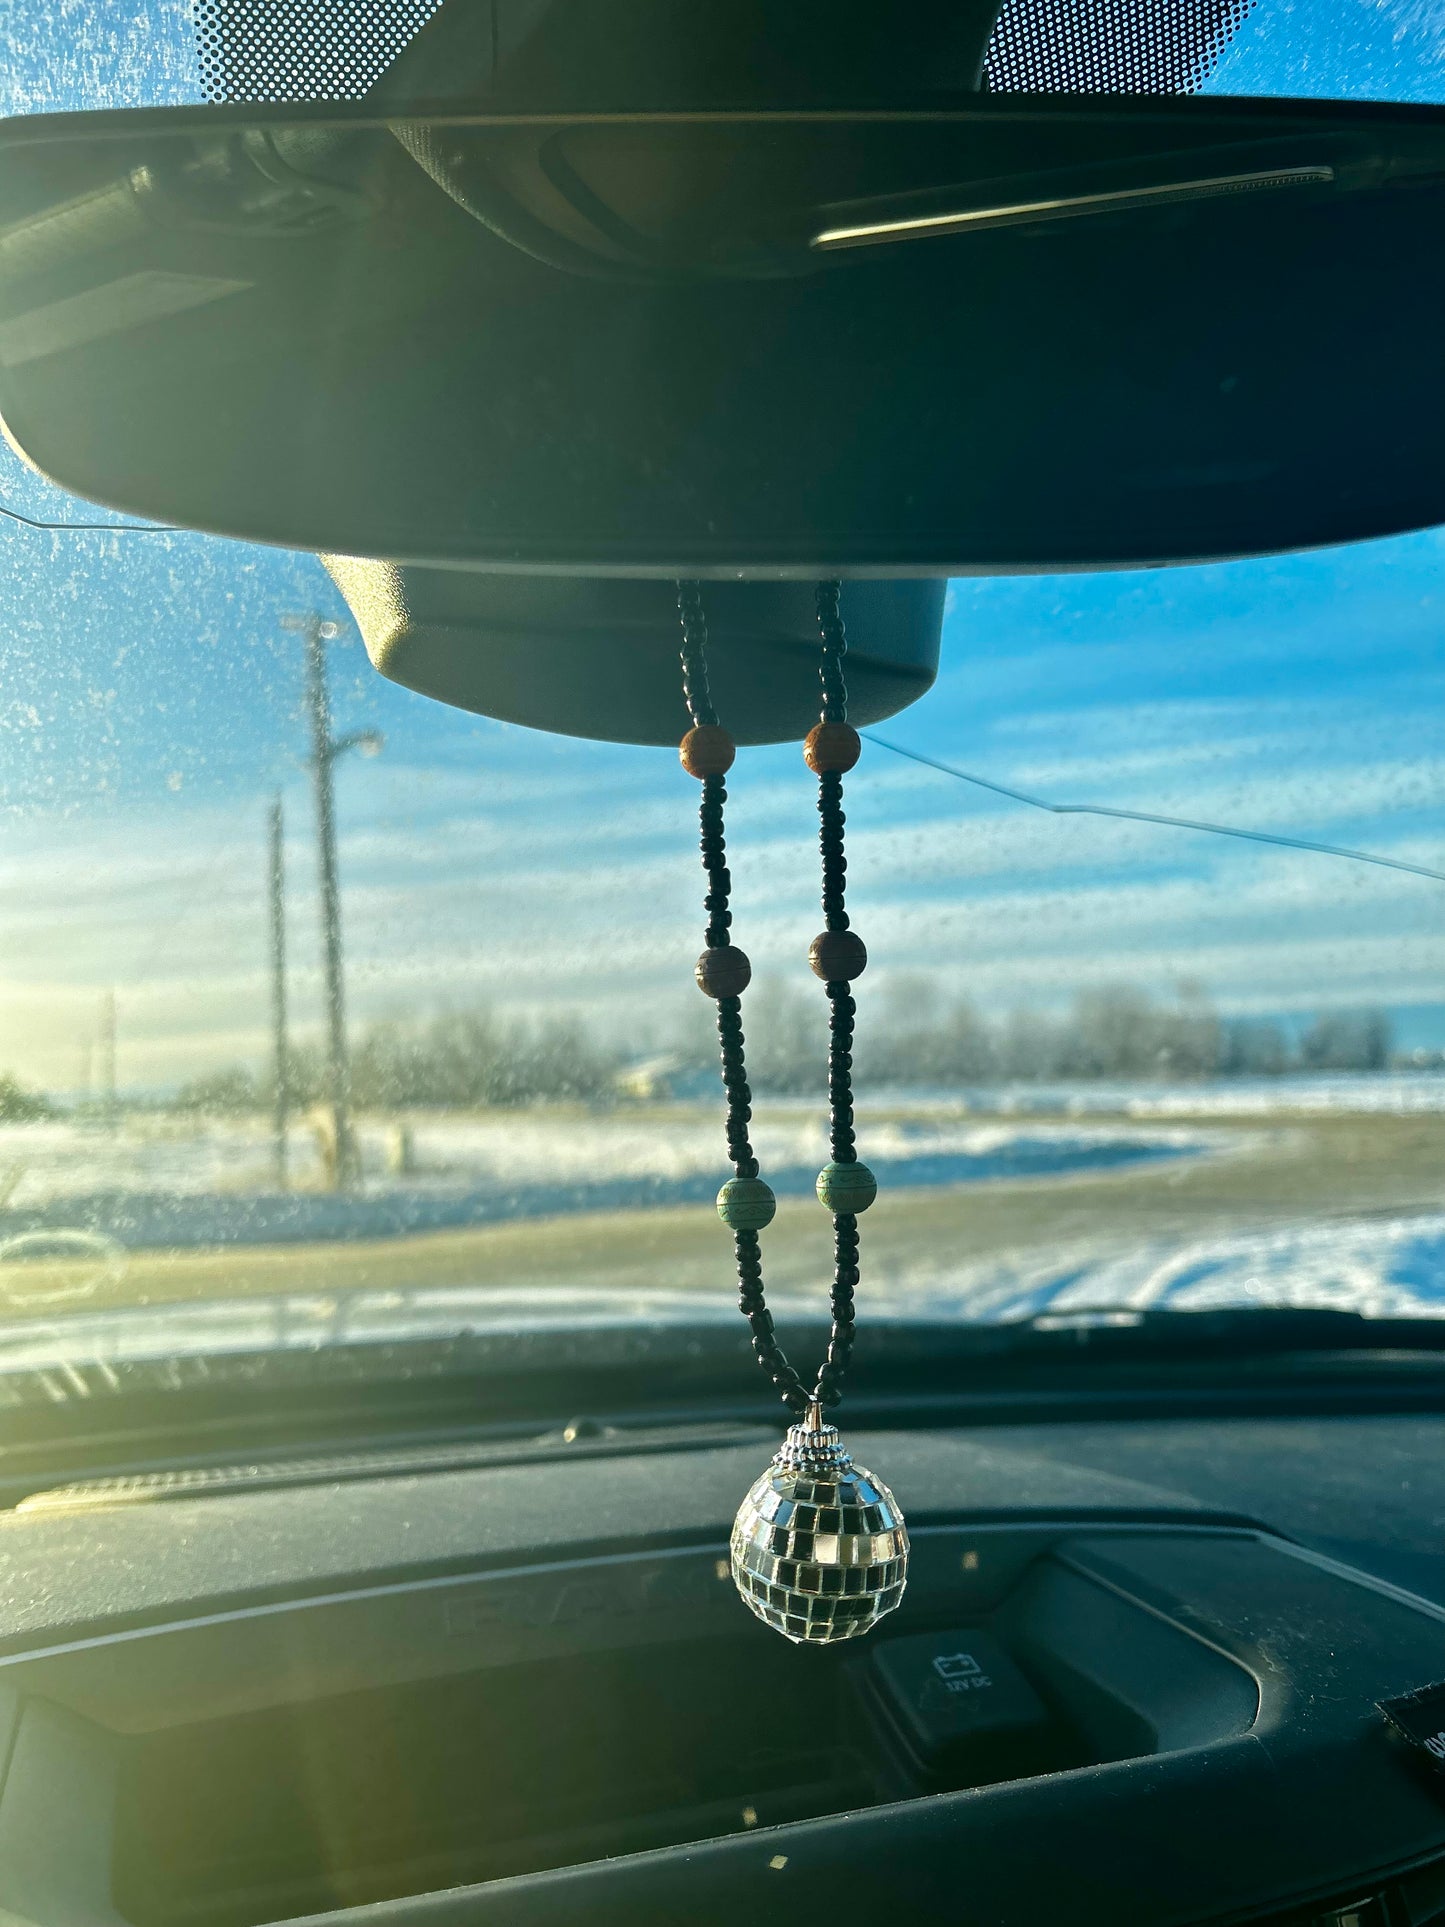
column 812, row 1446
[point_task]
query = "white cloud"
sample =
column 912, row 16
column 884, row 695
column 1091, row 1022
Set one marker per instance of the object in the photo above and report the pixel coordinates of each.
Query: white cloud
column 499, row 903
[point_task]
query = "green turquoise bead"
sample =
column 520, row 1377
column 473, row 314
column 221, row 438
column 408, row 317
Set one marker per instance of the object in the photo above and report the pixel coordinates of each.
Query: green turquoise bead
column 746, row 1204
column 846, row 1189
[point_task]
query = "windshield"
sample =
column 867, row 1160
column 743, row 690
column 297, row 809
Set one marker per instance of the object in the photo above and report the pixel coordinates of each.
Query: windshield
column 1152, row 882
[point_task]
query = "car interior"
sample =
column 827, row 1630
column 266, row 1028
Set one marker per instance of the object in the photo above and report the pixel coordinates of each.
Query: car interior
column 642, row 374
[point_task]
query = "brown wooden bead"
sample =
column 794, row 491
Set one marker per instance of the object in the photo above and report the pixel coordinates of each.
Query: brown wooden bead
column 723, row 972
column 707, row 750
column 832, row 746
column 838, row 956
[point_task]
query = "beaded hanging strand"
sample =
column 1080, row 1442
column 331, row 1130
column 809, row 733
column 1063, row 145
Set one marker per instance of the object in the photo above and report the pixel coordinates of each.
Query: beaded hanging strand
column 845, row 1186
column 819, row 1548
column 745, row 1204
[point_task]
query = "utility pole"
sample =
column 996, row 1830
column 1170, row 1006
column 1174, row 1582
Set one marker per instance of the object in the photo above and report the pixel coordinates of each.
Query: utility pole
column 110, row 1108
column 276, row 881
column 325, row 749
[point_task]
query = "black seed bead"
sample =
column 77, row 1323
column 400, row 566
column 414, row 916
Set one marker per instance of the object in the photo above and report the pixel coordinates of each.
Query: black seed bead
column 695, row 689
column 835, row 647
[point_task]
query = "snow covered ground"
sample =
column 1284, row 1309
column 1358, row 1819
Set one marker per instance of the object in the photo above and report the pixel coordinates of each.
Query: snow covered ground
column 987, row 1131
column 1376, row 1267
column 162, row 1179
column 1398, row 1094
column 159, row 1180
column 1216, row 1230
column 162, row 1182
column 1381, row 1267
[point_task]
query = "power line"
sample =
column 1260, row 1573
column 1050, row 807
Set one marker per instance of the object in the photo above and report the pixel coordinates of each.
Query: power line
column 96, row 528
column 1148, row 816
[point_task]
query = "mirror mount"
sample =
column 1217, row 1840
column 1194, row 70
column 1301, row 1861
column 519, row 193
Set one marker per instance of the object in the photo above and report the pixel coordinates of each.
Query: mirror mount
column 600, row 658
column 656, row 56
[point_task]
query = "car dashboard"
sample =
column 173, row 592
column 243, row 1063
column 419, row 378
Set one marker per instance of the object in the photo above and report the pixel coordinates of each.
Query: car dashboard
column 1136, row 1676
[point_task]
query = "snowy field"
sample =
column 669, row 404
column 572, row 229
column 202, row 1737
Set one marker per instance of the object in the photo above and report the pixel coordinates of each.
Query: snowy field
column 162, row 1180
column 1381, row 1267
column 1316, row 1192
column 980, row 1131
column 1377, row 1268
column 1402, row 1094
column 157, row 1180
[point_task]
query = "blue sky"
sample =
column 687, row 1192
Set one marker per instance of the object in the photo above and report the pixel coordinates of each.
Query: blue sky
column 150, row 703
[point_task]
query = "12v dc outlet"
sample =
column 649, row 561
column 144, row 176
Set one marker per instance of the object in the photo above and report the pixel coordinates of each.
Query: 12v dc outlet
column 959, row 1702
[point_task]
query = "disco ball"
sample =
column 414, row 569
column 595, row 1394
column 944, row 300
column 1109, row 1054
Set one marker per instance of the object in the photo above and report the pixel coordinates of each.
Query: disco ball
column 819, row 1547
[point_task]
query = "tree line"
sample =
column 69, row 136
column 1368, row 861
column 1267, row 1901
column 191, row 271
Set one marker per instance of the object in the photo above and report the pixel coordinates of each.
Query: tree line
column 911, row 1034
column 458, row 1060
column 917, row 1036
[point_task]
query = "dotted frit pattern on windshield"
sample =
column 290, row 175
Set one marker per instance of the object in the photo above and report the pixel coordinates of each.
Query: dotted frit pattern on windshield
column 300, row 50
column 1109, row 46
column 278, row 50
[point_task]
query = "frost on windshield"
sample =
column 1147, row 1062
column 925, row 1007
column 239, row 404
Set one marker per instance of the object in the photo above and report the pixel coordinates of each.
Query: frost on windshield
column 1098, row 1058
column 1095, row 1055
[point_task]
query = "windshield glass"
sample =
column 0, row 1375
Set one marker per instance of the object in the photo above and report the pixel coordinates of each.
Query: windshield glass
column 1103, row 1056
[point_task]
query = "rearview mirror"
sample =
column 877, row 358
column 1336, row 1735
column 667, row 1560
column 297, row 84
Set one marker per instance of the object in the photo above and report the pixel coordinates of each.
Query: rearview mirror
column 1002, row 334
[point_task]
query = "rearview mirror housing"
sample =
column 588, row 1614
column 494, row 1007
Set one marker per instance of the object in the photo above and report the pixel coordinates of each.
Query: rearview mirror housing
column 987, row 334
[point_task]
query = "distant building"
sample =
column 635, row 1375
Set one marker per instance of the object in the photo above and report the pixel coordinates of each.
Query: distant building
column 666, row 1079
column 1421, row 1059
